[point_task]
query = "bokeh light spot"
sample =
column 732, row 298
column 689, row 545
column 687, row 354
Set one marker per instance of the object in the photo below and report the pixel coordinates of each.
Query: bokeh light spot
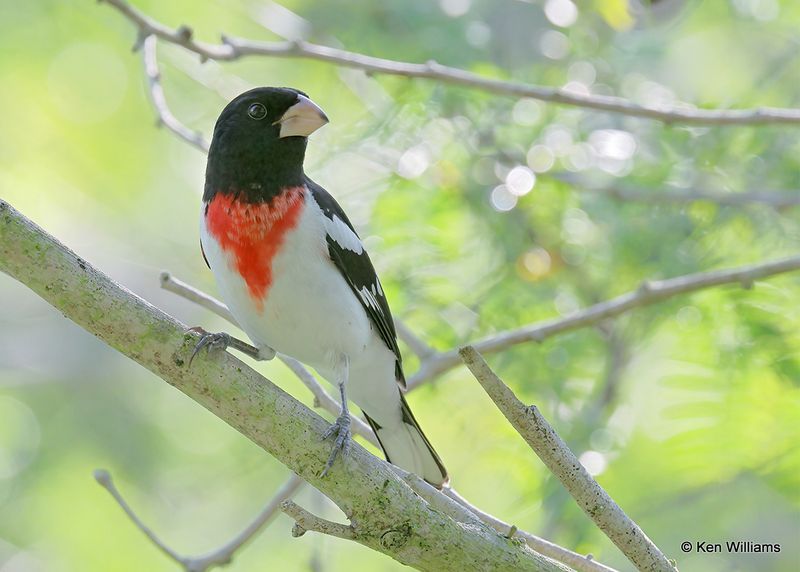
column 534, row 264
column 527, row 112
column 582, row 72
column 520, row 181
column 478, row 34
column 540, row 158
column 613, row 143
column 594, row 462
column 455, row 8
column 563, row 13
column 554, row 45
column 413, row 162
column 502, row 199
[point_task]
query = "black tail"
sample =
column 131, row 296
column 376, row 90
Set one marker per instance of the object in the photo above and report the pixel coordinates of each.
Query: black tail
column 406, row 446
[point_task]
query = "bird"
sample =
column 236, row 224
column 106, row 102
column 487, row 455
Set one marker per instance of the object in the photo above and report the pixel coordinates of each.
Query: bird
column 296, row 276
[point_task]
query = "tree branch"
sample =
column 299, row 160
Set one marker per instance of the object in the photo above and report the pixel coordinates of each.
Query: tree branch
column 590, row 496
column 235, row 48
column 253, row 405
column 649, row 292
column 447, row 500
column 224, row 554
column 305, row 521
column 539, row 544
column 159, row 100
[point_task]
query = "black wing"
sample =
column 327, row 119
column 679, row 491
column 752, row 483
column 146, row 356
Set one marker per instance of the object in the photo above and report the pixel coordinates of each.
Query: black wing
column 357, row 270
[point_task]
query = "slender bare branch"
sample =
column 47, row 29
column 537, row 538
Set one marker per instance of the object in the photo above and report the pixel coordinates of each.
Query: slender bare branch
column 235, row 48
column 305, row 521
column 224, row 554
column 184, row 290
column 650, row 292
column 552, row 450
column 104, row 479
column 159, row 100
column 572, row 559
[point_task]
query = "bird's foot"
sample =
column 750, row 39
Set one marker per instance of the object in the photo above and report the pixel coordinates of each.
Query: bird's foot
column 341, row 429
column 213, row 342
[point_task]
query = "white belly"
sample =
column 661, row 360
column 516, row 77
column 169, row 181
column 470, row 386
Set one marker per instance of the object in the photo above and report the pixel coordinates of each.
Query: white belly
column 309, row 312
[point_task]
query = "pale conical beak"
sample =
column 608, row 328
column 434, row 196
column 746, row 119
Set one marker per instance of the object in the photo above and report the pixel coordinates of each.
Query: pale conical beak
column 302, row 119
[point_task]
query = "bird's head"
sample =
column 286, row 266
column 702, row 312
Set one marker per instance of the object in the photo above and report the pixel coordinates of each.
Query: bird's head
column 261, row 137
column 266, row 114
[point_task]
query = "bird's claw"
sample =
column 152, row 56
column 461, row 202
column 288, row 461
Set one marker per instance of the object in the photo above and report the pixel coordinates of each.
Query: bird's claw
column 213, row 342
column 340, row 428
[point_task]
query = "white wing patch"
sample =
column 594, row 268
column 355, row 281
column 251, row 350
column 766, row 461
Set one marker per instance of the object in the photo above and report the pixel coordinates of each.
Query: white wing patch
column 369, row 298
column 342, row 234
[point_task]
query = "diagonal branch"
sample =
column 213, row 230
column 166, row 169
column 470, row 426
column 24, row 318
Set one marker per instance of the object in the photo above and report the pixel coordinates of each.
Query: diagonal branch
column 541, row 545
column 235, row 48
column 224, row 554
column 650, row 292
column 552, row 450
column 462, row 511
column 358, row 483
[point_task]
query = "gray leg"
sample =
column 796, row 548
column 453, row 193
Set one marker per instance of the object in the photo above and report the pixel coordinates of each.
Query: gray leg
column 223, row 341
column 340, row 427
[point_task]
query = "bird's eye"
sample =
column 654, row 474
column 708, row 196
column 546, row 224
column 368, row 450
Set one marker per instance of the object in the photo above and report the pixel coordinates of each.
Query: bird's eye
column 257, row 111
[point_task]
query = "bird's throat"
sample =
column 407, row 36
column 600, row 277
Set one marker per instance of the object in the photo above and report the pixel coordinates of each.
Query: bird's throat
column 251, row 234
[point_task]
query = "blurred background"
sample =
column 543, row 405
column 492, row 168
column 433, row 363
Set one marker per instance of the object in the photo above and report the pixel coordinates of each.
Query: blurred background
column 481, row 213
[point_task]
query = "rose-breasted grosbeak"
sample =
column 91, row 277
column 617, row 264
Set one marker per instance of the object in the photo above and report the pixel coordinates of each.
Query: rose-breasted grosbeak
column 295, row 274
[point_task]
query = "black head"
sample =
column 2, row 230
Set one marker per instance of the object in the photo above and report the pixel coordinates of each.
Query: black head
column 260, row 141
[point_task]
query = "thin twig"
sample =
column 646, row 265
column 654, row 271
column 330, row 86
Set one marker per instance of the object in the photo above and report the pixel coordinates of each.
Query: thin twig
column 224, row 554
column 648, row 293
column 572, row 559
column 235, row 48
column 104, row 479
column 159, row 100
column 184, row 290
column 305, row 521
column 552, row 450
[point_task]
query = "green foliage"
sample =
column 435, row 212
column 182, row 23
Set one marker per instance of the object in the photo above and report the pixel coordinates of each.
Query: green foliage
column 698, row 435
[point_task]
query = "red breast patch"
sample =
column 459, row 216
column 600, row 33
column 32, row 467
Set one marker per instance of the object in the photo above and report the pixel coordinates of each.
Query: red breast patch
column 253, row 234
